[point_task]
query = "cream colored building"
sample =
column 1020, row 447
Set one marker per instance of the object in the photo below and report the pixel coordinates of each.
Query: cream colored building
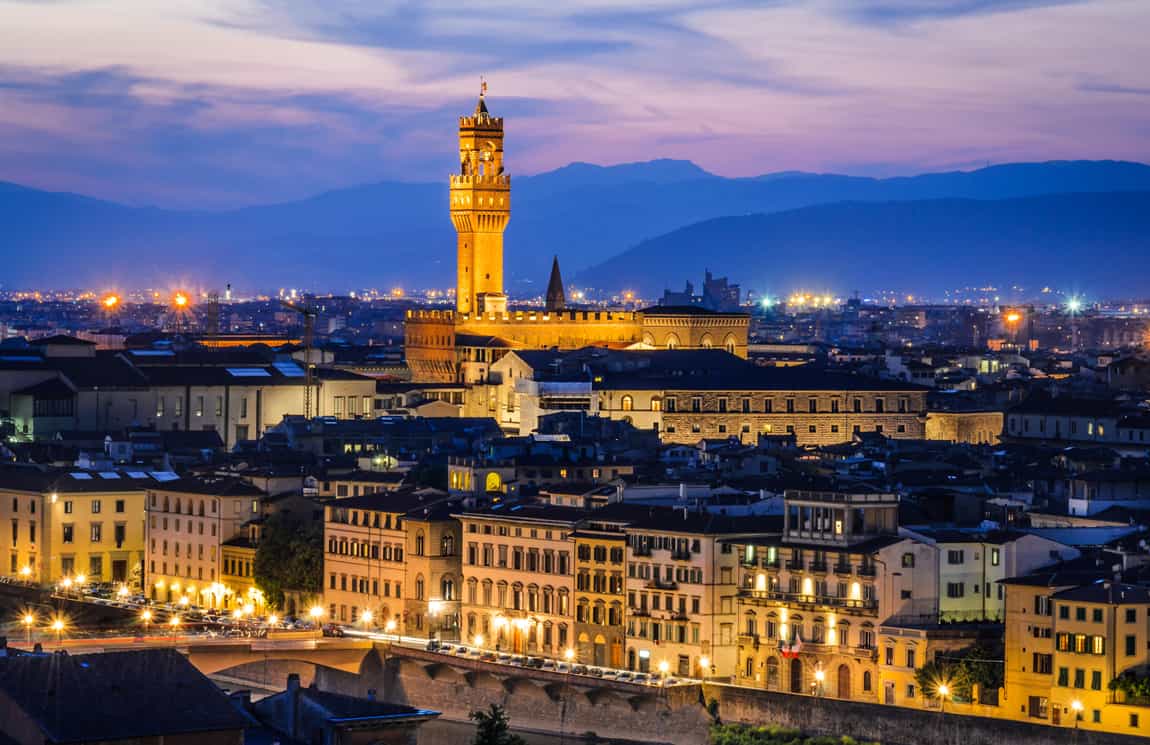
column 811, row 601
column 189, row 520
column 518, row 578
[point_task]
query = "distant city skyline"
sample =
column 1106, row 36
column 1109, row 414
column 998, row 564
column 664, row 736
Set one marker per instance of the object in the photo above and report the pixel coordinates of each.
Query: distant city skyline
column 227, row 103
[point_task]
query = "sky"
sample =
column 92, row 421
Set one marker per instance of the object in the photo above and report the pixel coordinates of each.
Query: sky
column 208, row 104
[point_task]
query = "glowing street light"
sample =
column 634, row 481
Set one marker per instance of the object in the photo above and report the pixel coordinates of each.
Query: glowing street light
column 110, row 301
column 390, row 626
column 81, row 580
column 180, row 300
column 25, row 573
column 122, row 592
column 820, row 678
column 316, row 613
column 174, row 623
column 146, row 619
column 366, row 617
column 28, row 620
column 1013, row 317
column 273, row 620
column 1074, row 304
column 569, row 654
column 704, row 665
column 478, row 642
column 943, row 691
column 58, row 626
column 1076, row 707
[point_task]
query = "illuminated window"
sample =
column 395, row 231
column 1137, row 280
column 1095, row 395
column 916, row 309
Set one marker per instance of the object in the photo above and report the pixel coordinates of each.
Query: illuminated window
column 627, row 403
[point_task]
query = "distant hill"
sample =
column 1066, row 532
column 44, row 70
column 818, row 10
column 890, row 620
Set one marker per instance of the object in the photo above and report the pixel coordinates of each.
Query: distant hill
column 1098, row 242
column 398, row 233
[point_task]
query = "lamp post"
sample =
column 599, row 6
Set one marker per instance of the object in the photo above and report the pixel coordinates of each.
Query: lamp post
column 704, row 666
column 25, row 573
column 316, row 613
column 28, row 621
column 1076, row 707
column 390, row 627
column 569, row 655
column 174, row 622
column 146, row 619
column 943, row 692
column 58, row 627
column 664, row 668
column 820, row 678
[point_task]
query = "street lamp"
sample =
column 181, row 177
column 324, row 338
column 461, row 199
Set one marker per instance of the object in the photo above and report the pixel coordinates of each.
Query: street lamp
column 390, row 626
column 366, row 617
column 943, row 692
column 316, row 613
column 569, row 654
column 1076, row 707
column 174, row 622
column 664, row 668
column 820, row 677
column 273, row 620
column 146, row 619
column 28, row 620
column 26, row 573
column 704, row 665
column 122, row 592
column 478, row 642
column 58, row 627
column 81, row 580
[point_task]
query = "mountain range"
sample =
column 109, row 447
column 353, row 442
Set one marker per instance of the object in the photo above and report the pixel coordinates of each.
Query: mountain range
column 640, row 225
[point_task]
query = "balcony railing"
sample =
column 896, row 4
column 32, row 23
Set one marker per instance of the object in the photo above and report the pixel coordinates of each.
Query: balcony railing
column 681, row 555
column 819, row 566
column 642, row 550
column 813, row 601
column 844, row 569
column 662, row 584
column 866, row 570
column 795, row 565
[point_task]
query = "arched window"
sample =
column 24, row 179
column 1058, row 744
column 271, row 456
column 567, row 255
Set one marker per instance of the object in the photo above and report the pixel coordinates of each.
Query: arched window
column 419, row 588
column 773, row 673
column 494, row 482
column 866, row 680
column 419, row 543
column 749, row 670
column 656, row 403
column 729, row 343
column 447, row 588
column 201, row 508
column 447, row 545
column 706, row 342
column 672, row 341
column 627, row 403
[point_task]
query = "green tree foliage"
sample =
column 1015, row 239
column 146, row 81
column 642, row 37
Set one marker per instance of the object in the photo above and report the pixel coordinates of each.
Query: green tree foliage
column 289, row 557
column 738, row 734
column 978, row 664
column 491, row 728
column 1132, row 684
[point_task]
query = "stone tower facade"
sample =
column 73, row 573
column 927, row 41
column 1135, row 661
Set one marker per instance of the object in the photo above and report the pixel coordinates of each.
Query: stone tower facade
column 480, row 209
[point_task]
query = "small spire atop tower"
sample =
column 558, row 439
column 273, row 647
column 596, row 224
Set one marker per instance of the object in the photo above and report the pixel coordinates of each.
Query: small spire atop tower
column 556, row 298
column 481, row 107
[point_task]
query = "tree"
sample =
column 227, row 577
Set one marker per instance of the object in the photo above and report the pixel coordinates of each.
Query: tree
column 289, row 557
column 491, row 728
column 979, row 664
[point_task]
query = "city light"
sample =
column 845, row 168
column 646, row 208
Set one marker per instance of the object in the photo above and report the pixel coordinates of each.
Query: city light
column 1074, row 305
column 390, row 626
column 478, row 640
column 316, row 612
column 569, row 654
column 273, row 620
column 110, row 301
column 181, row 300
column 943, row 690
column 1013, row 317
column 81, row 580
column 366, row 616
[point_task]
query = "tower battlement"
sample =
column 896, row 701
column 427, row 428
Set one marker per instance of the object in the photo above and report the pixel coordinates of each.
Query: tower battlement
column 481, row 122
column 480, row 179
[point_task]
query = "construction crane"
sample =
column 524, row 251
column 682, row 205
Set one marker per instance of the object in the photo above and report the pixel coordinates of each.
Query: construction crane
column 308, row 313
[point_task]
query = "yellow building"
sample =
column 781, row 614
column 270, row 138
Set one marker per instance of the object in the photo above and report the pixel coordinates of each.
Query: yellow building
column 1069, row 636
column 237, row 570
column 969, row 427
column 600, row 591
column 74, row 523
column 460, row 345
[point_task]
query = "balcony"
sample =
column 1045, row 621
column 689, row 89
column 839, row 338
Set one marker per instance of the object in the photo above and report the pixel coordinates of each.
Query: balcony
column 681, row 555
column 813, row 602
column 819, row 567
column 750, row 640
column 642, row 550
column 661, row 584
column 845, row 570
column 795, row 565
column 866, row 570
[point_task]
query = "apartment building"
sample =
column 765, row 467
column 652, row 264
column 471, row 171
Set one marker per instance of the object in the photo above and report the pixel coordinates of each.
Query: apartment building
column 812, row 600
column 189, row 520
column 519, row 578
column 1071, row 633
column 600, row 591
column 972, row 564
column 74, row 523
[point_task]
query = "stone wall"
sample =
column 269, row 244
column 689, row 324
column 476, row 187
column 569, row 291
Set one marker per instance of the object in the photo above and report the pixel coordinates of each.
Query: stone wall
column 891, row 725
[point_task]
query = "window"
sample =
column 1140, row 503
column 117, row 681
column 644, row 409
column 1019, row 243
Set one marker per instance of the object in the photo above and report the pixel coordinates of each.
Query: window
column 68, row 507
column 995, row 557
column 1131, row 645
column 955, row 557
column 69, row 533
column 908, row 560
column 1096, row 615
column 1042, row 664
column 120, row 505
column 1131, row 615
column 1096, row 680
column 1064, row 612
column 97, row 530
column 955, row 589
column 95, row 507
column 627, row 403
column 1079, row 678
column 1063, row 676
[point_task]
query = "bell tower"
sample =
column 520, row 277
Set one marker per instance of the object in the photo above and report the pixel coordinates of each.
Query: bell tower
column 480, row 209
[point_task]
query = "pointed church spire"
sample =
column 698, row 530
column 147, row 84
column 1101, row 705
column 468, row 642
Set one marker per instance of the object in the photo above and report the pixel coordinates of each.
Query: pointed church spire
column 556, row 299
column 481, row 107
